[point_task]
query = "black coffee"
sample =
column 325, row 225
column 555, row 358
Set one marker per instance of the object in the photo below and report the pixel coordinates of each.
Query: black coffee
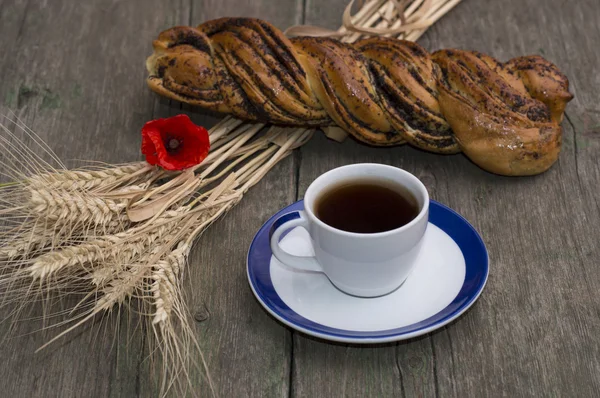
column 366, row 207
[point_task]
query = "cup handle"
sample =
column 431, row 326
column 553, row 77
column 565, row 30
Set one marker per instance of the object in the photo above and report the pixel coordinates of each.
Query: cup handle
column 282, row 224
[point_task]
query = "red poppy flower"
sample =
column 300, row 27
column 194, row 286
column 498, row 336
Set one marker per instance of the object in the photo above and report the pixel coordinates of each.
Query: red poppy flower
column 174, row 143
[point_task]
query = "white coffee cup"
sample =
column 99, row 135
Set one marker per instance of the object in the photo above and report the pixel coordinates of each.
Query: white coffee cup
column 364, row 265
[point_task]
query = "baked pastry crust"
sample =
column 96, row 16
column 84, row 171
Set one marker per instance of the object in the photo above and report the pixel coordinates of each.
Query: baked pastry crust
column 505, row 117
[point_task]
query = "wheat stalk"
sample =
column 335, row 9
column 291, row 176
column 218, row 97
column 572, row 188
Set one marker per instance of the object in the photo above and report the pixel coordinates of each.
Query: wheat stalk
column 120, row 288
column 74, row 180
column 72, row 208
column 109, row 249
column 36, row 238
column 164, row 289
column 43, row 238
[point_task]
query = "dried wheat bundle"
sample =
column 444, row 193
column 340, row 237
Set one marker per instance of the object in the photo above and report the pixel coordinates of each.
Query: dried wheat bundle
column 119, row 233
column 115, row 234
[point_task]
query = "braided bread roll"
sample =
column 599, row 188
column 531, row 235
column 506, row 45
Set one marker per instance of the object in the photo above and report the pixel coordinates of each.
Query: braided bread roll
column 505, row 117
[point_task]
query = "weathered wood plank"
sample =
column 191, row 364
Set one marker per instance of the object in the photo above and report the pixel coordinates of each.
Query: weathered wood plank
column 333, row 370
column 105, row 101
column 404, row 369
column 322, row 369
column 532, row 332
column 79, row 83
column 247, row 352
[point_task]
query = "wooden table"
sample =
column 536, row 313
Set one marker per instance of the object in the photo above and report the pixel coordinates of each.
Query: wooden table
column 74, row 72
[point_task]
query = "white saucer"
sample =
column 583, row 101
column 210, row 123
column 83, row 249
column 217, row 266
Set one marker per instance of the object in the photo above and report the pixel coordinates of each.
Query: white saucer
column 450, row 274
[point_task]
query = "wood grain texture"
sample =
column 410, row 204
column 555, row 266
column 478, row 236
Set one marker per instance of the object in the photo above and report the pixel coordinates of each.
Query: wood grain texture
column 82, row 88
column 532, row 333
column 74, row 72
column 246, row 351
column 534, row 328
column 63, row 73
column 403, row 369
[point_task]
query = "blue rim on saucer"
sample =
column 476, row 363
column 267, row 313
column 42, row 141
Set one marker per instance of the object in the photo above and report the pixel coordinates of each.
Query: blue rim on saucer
column 453, row 224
